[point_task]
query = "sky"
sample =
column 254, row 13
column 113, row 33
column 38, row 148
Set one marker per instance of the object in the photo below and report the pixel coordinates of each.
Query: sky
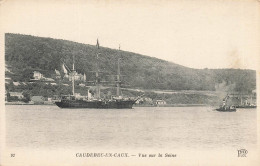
column 196, row 34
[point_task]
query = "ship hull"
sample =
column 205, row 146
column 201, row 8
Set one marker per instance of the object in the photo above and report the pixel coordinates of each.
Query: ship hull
column 226, row 110
column 246, row 106
column 122, row 104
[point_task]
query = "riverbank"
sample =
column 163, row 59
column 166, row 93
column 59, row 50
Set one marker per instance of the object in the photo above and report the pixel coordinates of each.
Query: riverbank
column 173, row 105
column 22, row 103
column 137, row 105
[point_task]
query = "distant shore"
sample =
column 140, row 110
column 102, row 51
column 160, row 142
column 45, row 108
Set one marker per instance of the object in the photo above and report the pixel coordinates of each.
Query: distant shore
column 173, row 105
column 22, row 103
column 137, row 105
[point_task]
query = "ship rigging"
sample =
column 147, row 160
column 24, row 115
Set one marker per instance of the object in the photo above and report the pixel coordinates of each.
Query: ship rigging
column 118, row 102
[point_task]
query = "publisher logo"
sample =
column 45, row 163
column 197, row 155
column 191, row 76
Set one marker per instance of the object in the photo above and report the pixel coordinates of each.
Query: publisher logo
column 242, row 153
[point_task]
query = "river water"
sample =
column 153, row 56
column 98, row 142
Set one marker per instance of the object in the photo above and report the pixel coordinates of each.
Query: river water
column 42, row 126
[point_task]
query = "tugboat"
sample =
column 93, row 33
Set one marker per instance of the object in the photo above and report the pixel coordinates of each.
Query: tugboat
column 225, row 108
column 118, row 102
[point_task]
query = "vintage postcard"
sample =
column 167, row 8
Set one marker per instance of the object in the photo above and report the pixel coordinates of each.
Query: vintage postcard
column 117, row 82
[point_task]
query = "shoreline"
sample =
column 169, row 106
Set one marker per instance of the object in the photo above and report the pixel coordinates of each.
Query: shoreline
column 173, row 105
column 166, row 105
column 20, row 103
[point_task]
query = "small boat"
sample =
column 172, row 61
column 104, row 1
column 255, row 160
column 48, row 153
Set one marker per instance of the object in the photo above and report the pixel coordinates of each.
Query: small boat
column 226, row 109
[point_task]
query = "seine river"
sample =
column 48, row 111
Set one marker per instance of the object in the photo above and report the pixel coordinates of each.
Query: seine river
column 42, row 126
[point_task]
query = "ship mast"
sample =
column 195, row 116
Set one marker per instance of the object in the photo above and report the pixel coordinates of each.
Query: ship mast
column 97, row 74
column 118, row 76
column 73, row 73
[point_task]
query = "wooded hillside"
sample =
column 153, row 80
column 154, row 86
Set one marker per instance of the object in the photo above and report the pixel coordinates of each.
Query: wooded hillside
column 25, row 54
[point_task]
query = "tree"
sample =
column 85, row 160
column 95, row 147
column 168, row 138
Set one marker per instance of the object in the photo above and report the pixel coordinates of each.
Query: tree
column 26, row 96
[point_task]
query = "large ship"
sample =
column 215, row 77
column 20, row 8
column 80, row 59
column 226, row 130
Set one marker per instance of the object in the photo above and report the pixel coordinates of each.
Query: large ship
column 246, row 103
column 116, row 102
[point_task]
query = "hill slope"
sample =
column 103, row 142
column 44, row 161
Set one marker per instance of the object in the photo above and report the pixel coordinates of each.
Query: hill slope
column 26, row 54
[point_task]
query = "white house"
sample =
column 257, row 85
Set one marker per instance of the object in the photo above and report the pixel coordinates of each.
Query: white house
column 58, row 75
column 7, row 80
column 160, row 102
column 17, row 94
column 37, row 75
column 16, row 83
column 77, row 77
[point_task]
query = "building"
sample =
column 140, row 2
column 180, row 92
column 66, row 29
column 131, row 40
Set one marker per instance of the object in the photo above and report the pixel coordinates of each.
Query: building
column 160, row 102
column 7, row 80
column 19, row 95
column 37, row 99
column 16, row 83
column 49, row 79
column 82, row 85
column 77, row 94
column 144, row 100
column 77, row 77
column 57, row 74
column 84, row 78
column 37, row 75
column 66, row 76
column 7, row 69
